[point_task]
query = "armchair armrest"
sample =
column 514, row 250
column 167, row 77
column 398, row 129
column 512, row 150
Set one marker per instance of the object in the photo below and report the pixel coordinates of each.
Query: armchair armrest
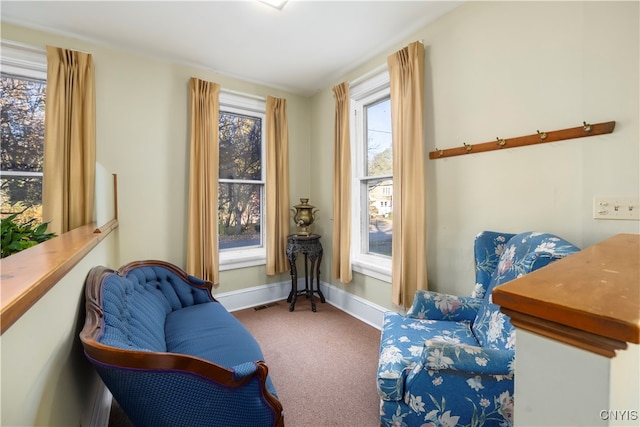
column 474, row 360
column 437, row 306
column 441, row 355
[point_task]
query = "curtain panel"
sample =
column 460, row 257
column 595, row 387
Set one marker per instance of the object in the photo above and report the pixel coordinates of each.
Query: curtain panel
column 68, row 189
column 408, row 259
column 202, row 220
column 277, row 186
column 341, row 246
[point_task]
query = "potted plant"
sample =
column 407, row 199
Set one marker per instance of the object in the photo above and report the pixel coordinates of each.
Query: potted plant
column 17, row 236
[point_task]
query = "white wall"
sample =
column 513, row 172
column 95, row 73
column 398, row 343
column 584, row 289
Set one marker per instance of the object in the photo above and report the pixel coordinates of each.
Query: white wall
column 508, row 69
column 560, row 385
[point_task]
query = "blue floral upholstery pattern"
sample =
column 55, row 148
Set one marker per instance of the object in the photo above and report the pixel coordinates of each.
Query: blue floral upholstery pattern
column 450, row 360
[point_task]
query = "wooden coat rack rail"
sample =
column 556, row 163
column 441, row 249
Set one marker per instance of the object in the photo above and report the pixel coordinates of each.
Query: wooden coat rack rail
column 521, row 141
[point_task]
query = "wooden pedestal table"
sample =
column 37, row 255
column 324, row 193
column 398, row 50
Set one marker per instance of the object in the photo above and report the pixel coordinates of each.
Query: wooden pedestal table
column 311, row 248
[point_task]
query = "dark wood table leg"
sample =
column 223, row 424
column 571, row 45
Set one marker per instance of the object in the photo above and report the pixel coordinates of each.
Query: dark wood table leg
column 318, row 277
column 293, row 295
column 310, row 293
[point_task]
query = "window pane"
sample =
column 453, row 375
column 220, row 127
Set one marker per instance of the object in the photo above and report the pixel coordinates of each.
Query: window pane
column 379, row 149
column 240, row 146
column 380, row 202
column 239, row 215
column 22, row 148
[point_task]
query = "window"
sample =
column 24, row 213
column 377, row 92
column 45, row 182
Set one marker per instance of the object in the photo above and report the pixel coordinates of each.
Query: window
column 22, row 105
column 241, row 181
column 372, row 168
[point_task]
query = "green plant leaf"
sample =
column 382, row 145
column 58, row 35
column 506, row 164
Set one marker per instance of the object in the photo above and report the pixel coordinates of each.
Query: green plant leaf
column 16, row 236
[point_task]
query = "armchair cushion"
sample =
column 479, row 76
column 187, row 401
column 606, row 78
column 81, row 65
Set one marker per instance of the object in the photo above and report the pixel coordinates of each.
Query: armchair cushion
column 438, row 355
column 493, row 329
column 402, row 345
column 437, row 306
column 522, row 254
column 487, row 248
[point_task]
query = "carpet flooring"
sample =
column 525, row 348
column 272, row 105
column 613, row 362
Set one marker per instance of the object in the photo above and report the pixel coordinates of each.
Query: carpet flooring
column 323, row 364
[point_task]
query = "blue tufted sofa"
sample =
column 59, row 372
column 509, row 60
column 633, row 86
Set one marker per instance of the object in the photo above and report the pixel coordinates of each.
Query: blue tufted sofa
column 450, row 360
column 170, row 354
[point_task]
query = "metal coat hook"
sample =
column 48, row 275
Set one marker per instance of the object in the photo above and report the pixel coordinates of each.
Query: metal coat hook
column 586, row 127
column 501, row 142
column 467, row 147
column 542, row 135
column 440, row 152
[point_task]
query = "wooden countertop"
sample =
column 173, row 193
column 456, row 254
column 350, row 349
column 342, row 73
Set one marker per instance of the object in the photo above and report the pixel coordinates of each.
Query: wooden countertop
column 590, row 299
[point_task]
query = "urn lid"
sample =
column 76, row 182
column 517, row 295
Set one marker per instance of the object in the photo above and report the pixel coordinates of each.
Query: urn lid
column 304, row 204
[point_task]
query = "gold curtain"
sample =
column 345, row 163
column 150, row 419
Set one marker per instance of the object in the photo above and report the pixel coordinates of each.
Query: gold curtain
column 68, row 190
column 202, row 221
column 277, row 214
column 341, row 246
column 408, row 260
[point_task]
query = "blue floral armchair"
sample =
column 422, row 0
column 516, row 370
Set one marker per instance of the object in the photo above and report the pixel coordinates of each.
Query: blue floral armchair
column 450, row 360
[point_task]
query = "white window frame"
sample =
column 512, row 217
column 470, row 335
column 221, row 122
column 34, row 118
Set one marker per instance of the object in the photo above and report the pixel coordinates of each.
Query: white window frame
column 22, row 60
column 362, row 93
column 238, row 103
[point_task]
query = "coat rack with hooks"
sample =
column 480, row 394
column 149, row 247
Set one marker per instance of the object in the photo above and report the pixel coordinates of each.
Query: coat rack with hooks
column 538, row 138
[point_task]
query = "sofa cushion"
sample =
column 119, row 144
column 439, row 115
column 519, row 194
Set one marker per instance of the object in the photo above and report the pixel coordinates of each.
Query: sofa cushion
column 134, row 315
column 210, row 332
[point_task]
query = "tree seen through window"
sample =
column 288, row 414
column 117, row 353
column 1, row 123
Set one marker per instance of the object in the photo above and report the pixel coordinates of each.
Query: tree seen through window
column 240, row 182
column 22, row 108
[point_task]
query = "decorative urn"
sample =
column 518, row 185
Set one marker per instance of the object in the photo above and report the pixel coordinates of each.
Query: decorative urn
column 303, row 216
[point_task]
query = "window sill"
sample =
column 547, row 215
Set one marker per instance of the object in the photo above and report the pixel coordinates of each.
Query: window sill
column 28, row 275
column 231, row 260
column 376, row 267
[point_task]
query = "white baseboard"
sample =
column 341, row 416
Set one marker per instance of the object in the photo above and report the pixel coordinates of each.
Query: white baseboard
column 101, row 408
column 251, row 297
column 358, row 307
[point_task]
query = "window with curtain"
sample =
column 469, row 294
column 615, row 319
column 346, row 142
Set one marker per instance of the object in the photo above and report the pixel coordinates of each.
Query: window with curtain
column 241, row 181
column 372, row 168
column 23, row 90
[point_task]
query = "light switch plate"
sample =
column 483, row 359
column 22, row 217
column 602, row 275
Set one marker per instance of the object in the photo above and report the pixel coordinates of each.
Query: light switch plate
column 616, row 207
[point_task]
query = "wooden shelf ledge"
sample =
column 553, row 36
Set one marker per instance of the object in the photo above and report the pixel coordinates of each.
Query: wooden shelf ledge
column 590, row 299
column 28, row 275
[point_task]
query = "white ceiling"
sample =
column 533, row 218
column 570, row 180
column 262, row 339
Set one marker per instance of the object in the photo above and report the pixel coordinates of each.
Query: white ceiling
column 302, row 48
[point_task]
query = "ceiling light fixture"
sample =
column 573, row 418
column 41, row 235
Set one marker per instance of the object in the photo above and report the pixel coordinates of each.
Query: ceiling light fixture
column 278, row 4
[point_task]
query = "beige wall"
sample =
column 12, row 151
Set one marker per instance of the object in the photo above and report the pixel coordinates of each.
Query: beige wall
column 142, row 135
column 507, row 69
column 46, row 380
